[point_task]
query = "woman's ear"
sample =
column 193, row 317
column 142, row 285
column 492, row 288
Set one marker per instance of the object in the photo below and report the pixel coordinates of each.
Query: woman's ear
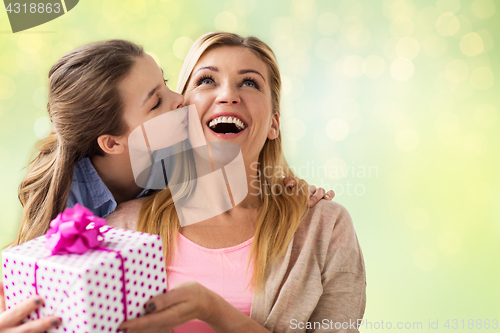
column 110, row 144
column 275, row 127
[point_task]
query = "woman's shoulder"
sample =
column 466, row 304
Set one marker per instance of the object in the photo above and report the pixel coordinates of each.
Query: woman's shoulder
column 327, row 228
column 325, row 218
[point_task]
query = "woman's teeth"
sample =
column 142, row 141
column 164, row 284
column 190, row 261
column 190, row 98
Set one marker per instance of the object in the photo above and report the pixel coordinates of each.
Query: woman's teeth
column 227, row 120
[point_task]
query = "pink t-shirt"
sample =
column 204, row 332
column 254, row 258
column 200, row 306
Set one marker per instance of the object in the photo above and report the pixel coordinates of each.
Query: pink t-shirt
column 220, row 270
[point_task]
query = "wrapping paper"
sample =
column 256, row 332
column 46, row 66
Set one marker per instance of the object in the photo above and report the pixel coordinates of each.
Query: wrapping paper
column 90, row 292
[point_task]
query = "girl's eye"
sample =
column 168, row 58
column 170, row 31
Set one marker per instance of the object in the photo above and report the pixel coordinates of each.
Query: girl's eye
column 250, row 83
column 157, row 104
column 165, row 81
column 205, row 80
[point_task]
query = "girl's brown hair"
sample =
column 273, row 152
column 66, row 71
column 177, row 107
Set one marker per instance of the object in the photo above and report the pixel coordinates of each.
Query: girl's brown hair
column 84, row 103
column 279, row 214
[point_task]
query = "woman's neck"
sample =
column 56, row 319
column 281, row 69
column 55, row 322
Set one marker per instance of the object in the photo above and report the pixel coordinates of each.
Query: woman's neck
column 116, row 173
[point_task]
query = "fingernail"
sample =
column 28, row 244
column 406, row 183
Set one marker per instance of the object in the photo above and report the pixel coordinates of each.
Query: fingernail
column 56, row 322
column 327, row 196
column 151, row 307
column 38, row 300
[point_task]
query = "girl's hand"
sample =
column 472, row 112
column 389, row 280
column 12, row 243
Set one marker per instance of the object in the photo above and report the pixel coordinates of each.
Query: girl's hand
column 315, row 194
column 10, row 320
column 184, row 302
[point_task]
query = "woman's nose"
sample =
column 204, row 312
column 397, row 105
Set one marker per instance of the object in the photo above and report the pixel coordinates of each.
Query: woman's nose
column 228, row 95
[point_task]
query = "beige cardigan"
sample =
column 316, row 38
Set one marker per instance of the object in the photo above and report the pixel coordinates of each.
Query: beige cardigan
column 321, row 279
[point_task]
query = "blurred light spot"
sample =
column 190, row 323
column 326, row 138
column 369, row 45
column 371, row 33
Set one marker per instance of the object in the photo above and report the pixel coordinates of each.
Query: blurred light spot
column 407, row 140
column 353, row 66
column 305, row 10
column 448, row 6
column 434, row 45
column 289, row 148
column 282, row 27
column 328, row 24
column 457, row 70
column 394, row 8
column 298, row 65
column 407, row 47
column 346, row 108
column 402, row 69
column 112, row 9
column 374, row 66
column 158, row 26
column 417, row 218
column 448, row 128
column 286, row 85
column 465, row 27
column 425, row 259
column 41, row 97
column 351, row 27
column 447, row 24
column 283, row 47
column 181, row 47
column 475, row 143
column 486, row 115
column 450, row 242
column 226, row 21
column 483, row 8
column 42, row 127
column 4, row 156
column 401, row 27
column 336, row 168
column 30, row 42
column 480, row 193
column 444, row 85
column 487, row 39
column 28, row 61
column 321, row 141
column 7, row 87
column 294, row 129
column 326, row 49
column 471, row 44
column 426, row 18
column 337, row 129
column 482, row 78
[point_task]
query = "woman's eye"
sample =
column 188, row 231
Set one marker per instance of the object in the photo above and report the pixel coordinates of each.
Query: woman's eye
column 204, row 80
column 250, row 83
column 157, row 104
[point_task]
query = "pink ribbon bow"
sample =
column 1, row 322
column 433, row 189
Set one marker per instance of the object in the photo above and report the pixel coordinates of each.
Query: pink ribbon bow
column 70, row 233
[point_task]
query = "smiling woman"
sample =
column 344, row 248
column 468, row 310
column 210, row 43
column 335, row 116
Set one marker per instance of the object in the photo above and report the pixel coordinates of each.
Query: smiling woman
column 269, row 260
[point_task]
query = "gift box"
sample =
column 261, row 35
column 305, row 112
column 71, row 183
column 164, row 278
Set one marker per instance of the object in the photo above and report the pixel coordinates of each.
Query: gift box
column 92, row 276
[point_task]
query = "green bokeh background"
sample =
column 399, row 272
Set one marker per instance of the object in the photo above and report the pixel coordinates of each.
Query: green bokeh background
column 394, row 104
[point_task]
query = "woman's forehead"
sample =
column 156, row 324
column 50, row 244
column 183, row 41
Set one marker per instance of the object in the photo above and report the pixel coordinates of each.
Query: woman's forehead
column 236, row 57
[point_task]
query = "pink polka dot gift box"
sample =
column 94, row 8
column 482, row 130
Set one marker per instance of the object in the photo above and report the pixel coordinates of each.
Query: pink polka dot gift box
column 92, row 276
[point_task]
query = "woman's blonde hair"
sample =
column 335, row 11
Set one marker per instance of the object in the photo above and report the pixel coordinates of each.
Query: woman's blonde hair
column 280, row 213
column 84, row 103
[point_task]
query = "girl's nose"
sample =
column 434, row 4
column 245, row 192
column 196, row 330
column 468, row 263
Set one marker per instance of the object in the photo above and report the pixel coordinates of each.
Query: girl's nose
column 177, row 100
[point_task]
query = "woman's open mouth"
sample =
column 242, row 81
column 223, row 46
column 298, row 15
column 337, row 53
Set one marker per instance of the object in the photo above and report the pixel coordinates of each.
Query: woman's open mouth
column 227, row 126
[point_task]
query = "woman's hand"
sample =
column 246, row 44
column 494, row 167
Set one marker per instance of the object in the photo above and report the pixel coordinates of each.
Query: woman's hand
column 315, row 193
column 126, row 214
column 184, row 302
column 10, row 320
column 187, row 301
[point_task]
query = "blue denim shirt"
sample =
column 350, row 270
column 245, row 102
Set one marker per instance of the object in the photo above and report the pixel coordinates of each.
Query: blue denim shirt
column 89, row 190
